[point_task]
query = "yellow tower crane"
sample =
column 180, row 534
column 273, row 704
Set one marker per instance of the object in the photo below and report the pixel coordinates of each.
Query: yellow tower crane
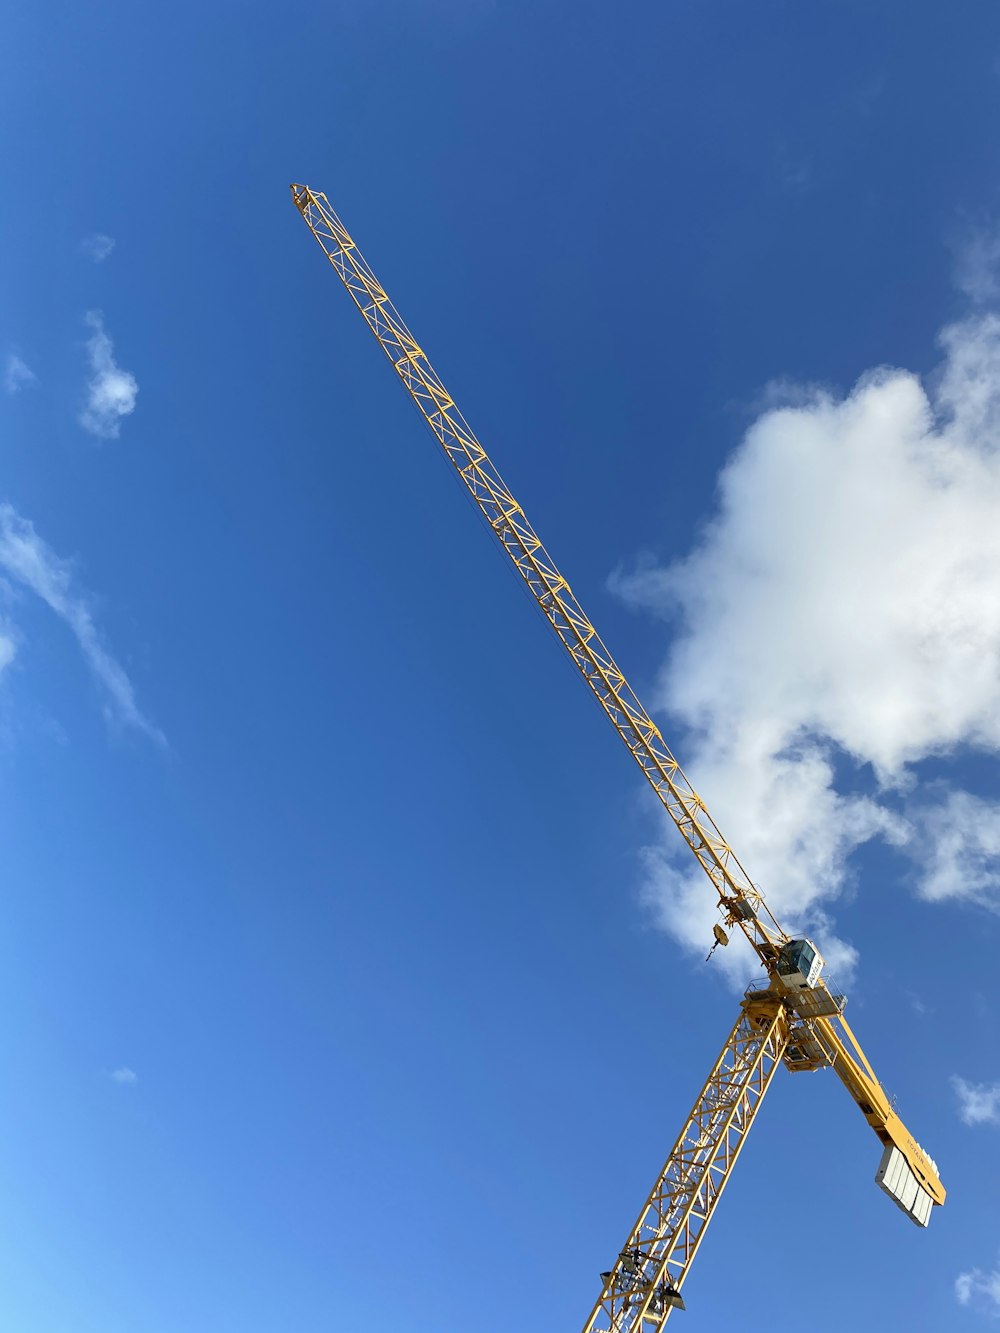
column 789, row 1018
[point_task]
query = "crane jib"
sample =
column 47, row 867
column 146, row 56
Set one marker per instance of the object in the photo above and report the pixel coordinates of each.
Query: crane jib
column 741, row 901
column 792, row 1018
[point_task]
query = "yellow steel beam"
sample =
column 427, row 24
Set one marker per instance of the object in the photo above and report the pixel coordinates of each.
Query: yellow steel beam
column 858, row 1077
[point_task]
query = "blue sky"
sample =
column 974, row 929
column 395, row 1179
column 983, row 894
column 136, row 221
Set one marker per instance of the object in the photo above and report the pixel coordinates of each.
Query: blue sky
column 350, row 979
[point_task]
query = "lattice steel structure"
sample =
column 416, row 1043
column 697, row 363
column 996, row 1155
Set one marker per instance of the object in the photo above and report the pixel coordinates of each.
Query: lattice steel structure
column 741, row 901
column 804, row 1029
column 644, row 1285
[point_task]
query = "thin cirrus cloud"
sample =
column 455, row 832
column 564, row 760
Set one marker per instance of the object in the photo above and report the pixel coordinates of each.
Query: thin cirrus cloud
column 97, row 247
column 978, row 1103
column 111, row 391
column 17, row 374
column 837, row 623
column 125, row 1076
column 27, row 560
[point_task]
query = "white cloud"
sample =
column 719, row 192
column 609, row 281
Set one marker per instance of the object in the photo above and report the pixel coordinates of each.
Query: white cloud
column 842, row 610
column 978, row 1103
column 9, row 636
column 8, row 647
column 97, row 247
column 979, row 1289
column 958, row 839
column 919, row 1006
column 111, row 391
column 28, row 560
column 17, row 374
column 977, row 264
column 124, row 1075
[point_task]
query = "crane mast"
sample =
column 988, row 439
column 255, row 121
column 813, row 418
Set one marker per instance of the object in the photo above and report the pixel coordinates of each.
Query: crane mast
column 791, row 1017
column 643, row 1287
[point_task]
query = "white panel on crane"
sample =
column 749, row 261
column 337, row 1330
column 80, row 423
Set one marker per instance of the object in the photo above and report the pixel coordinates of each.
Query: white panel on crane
column 902, row 1186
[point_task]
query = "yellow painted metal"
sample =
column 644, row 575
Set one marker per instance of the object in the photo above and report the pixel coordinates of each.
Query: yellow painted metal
column 820, row 1035
column 858, row 1077
column 741, row 902
column 656, row 1258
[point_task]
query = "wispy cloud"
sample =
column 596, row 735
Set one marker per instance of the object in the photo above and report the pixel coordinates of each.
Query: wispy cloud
column 8, row 646
column 978, row 1103
column 918, row 1005
column 838, row 622
column 97, row 247
column 27, row 559
column 111, row 391
column 124, row 1075
column 977, row 264
column 795, row 169
column 17, row 374
column 979, row 1290
column 869, row 91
